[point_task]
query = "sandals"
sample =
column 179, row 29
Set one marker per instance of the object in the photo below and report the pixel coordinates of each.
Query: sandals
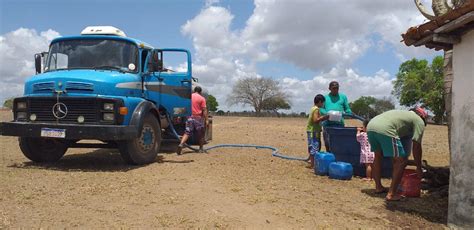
column 179, row 149
column 395, row 198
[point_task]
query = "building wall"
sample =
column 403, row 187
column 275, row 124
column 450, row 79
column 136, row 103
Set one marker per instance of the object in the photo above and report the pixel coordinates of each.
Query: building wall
column 461, row 187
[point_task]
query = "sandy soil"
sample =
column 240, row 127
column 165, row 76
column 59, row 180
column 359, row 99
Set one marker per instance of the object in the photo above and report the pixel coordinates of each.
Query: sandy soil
column 227, row 188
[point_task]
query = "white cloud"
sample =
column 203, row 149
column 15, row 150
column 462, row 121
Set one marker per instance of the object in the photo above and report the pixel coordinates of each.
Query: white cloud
column 325, row 37
column 352, row 84
column 17, row 49
column 390, row 26
column 222, row 57
column 319, row 35
column 304, row 34
column 212, row 36
column 9, row 90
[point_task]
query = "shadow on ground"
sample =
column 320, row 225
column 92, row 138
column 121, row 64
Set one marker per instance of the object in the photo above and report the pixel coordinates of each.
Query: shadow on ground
column 172, row 146
column 100, row 160
column 429, row 207
column 168, row 147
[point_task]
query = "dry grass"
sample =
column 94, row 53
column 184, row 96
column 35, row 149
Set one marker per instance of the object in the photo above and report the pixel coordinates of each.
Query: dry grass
column 227, row 188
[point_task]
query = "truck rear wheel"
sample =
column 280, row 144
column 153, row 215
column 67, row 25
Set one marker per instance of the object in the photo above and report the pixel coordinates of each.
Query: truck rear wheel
column 42, row 149
column 143, row 149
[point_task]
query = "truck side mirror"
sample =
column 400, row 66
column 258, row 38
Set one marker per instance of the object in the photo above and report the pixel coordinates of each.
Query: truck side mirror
column 159, row 64
column 155, row 62
column 44, row 56
column 159, row 60
column 38, row 63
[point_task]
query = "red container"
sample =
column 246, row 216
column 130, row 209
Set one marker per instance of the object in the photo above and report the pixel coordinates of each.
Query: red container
column 411, row 184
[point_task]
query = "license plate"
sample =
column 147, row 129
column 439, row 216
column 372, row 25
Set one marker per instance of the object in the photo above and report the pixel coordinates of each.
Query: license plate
column 55, row 133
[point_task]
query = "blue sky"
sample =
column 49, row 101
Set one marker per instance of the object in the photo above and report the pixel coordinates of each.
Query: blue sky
column 156, row 22
column 303, row 44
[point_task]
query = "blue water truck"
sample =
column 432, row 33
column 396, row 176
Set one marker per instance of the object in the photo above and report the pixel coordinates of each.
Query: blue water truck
column 105, row 86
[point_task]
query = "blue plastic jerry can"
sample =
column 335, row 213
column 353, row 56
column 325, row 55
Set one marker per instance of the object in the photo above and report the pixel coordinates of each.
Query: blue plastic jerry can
column 321, row 163
column 340, row 170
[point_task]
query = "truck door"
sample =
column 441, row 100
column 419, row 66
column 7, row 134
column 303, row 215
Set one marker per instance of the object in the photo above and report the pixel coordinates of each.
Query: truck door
column 170, row 82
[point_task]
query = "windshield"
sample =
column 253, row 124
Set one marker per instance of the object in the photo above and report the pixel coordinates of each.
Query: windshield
column 93, row 54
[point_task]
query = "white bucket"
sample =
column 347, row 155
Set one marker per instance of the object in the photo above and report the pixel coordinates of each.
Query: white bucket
column 335, row 115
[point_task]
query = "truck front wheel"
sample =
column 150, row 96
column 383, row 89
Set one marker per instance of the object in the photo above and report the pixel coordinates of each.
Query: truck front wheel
column 143, row 149
column 42, row 149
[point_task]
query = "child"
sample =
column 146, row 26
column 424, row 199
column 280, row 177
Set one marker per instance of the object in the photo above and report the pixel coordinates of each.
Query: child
column 366, row 156
column 313, row 129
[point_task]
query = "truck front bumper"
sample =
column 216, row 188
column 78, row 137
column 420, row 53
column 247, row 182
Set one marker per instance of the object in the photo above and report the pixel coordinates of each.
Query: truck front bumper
column 72, row 131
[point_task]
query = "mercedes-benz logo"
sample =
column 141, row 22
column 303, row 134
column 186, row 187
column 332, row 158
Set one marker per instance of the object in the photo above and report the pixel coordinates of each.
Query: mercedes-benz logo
column 59, row 110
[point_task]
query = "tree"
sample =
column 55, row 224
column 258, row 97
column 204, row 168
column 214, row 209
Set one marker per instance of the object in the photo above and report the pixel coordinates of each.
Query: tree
column 274, row 104
column 362, row 107
column 260, row 93
column 369, row 107
column 419, row 83
column 212, row 103
column 433, row 86
column 409, row 83
column 8, row 103
column 382, row 105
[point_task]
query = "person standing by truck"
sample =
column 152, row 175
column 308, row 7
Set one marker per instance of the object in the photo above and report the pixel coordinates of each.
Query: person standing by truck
column 335, row 101
column 196, row 123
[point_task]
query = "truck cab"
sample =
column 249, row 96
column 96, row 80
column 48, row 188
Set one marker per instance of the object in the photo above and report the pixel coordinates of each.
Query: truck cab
column 103, row 85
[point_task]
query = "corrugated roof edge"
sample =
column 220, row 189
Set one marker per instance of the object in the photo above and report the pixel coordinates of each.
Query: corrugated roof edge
column 427, row 34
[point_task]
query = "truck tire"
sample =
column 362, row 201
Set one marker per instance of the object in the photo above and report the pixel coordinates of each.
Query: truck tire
column 42, row 149
column 143, row 149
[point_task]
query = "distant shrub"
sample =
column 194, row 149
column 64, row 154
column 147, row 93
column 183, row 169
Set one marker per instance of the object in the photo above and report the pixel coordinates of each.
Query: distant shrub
column 8, row 103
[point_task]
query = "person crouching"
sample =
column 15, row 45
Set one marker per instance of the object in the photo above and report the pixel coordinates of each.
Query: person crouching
column 196, row 122
column 391, row 134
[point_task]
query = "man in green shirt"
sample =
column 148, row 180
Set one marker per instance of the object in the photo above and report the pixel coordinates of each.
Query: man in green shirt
column 335, row 101
column 391, row 134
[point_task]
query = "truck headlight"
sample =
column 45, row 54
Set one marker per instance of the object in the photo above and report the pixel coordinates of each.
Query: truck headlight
column 109, row 106
column 21, row 105
column 108, row 117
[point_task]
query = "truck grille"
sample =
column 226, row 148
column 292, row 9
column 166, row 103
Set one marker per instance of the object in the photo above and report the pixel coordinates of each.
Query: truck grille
column 79, row 86
column 43, row 87
column 86, row 107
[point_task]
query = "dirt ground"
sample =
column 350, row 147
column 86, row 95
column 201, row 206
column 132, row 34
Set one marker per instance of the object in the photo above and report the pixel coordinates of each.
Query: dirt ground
column 226, row 188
